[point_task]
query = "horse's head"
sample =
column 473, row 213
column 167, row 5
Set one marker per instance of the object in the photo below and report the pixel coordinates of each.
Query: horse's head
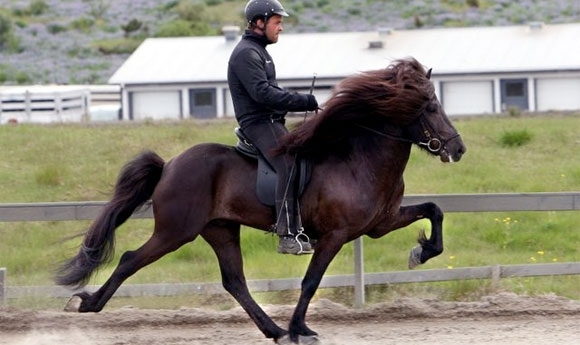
column 433, row 131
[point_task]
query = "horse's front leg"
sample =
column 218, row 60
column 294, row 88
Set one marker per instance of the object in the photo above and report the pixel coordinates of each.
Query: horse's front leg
column 427, row 248
column 326, row 250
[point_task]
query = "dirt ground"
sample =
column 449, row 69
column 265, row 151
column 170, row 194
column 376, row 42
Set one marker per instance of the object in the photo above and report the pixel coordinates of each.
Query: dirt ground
column 499, row 319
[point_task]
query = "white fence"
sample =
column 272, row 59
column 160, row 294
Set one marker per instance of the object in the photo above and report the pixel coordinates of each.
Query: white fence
column 41, row 105
column 449, row 203
column 47, row 104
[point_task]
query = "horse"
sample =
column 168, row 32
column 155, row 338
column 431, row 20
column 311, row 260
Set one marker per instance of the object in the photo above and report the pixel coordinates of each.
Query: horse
column 358, row 145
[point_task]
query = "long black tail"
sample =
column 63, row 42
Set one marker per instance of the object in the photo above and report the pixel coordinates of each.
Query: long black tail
column 134, row 187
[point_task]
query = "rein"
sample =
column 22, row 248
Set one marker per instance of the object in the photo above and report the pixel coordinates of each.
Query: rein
column 433, row 144
column 385, row 135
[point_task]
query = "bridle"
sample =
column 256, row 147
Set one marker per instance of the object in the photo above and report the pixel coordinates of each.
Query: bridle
column 434, row 143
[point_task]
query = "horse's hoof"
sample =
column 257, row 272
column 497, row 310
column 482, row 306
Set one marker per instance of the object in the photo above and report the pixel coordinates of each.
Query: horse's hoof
column 302, row 340
column 415, row 257
column 309, row 340
column 73, row 304
column 285, row 340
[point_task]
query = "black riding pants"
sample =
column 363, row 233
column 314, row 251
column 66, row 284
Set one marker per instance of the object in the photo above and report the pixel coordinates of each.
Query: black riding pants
column 266, row 136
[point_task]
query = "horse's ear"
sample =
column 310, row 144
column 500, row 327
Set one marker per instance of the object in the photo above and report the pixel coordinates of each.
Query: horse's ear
column 429, row 73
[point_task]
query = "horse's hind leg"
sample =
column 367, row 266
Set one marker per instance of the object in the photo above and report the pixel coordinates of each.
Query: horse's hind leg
column 160, row 243
column 427, row 248
column 225, row 241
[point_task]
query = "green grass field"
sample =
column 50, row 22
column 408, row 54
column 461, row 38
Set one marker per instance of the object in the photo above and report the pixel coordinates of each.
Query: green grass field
column 505, row 154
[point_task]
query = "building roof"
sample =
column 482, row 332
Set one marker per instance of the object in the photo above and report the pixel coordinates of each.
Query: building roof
column 526, row 48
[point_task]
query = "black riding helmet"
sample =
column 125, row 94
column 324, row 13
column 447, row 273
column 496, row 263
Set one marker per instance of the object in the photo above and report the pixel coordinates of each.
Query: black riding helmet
column 263, row 9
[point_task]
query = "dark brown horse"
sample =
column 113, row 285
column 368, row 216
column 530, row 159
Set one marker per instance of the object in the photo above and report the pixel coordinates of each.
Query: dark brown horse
column 359, row 146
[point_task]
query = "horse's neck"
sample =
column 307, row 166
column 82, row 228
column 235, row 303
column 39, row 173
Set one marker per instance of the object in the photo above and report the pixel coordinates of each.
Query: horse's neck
column 385, row 161
column 390, row 154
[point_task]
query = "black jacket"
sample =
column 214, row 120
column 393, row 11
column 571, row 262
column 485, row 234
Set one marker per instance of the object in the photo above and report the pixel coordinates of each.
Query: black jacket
column 253, row 86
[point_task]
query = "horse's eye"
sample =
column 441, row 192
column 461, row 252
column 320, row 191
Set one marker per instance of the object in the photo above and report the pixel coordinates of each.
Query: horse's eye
column 432, row 107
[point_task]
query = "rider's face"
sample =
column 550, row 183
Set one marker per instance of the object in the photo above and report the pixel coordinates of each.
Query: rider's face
column 273, row 28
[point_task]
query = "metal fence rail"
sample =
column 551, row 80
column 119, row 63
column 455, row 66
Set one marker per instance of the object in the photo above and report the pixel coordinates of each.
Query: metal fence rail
column 495, row 273
column 567, row 201
column 496, row 202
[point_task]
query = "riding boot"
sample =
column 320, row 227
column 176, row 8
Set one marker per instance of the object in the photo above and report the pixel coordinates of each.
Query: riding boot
column 288, row 228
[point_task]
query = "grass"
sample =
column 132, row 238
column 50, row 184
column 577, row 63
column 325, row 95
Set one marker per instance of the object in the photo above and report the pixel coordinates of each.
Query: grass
column 80, row 162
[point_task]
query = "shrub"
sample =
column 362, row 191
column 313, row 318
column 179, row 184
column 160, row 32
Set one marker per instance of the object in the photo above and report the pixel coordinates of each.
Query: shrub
column 132, row 26
column 515, row 138
column 189, row 11
column 176, row 28
column 8, row 42
column 82, row 24
column 353, row 11
column 3, row 75
column 182, row 28
column 472, row 3
column 22, row 78
column 170, row 5
column 118, row 46
column 417, row 21
column 37, row 7
column 99, row 8
column 55, row 28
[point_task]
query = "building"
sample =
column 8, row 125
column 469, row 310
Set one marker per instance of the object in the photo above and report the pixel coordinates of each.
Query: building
column 476, row 70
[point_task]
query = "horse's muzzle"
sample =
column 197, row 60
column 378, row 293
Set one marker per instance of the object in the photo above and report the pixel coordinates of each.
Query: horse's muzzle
column 452, row 150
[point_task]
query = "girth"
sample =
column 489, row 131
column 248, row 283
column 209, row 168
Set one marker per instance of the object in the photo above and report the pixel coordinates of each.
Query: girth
column 266, row 175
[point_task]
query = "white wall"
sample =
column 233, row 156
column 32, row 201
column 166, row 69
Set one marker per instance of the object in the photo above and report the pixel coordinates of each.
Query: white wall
column 467, row 97
column 156, row 105
column 558, row 94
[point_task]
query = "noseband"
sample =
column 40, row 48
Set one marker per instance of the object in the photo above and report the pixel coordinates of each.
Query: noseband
column 433, row 144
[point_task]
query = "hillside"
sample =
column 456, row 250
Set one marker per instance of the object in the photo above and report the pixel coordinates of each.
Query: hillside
column 85, row 41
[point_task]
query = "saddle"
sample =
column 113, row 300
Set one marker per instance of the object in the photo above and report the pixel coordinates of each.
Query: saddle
column 266, row 175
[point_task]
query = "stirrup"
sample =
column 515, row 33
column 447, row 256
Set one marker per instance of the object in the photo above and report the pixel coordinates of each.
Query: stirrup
column 307, row 240
column 301, row 233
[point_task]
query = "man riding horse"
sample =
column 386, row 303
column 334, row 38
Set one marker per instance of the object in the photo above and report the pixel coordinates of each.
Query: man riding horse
column 261, row 105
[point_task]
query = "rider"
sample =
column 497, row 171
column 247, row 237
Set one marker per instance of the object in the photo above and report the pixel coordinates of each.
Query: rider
column 261, row 105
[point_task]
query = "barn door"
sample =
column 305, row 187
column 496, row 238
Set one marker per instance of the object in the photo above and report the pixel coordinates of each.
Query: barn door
column 202, row 103
column 514, row 93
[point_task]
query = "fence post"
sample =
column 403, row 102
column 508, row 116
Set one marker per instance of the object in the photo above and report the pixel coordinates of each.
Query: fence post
column 28, row 105
column 2, row 285
column 495, row 276
column 58, row 105
column 359, row 274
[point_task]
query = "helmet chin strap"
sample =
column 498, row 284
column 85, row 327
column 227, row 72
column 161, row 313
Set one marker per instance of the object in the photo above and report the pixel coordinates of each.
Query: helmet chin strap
column 261, row 29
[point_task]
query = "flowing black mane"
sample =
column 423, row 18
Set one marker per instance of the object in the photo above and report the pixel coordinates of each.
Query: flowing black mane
column 392, row 95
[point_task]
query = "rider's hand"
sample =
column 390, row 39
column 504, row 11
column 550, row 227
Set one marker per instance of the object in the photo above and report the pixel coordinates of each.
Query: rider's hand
column 312, row 104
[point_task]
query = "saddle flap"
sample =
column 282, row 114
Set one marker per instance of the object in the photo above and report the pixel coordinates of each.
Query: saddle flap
column 266, row 176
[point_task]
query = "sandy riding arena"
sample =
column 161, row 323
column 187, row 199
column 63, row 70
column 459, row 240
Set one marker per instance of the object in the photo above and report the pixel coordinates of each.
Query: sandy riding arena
column 499, row 319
